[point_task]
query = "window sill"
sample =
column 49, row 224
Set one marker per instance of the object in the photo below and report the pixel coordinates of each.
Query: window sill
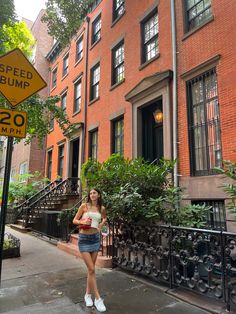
column 205, row 174
column 117, row 19
column 192, row 31
column 148, row 62
column 95, row 43
column 78, row 61
column 93, row 100
column 75, row 113
column 63, row 77
column 117, row 84
column 54, row 87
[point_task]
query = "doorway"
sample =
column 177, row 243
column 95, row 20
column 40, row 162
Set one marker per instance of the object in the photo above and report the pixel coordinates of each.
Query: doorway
column 75, row 158
column 152, row 132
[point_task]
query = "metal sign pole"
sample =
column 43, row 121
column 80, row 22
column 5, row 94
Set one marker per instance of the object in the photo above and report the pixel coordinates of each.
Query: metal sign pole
column 5, row 197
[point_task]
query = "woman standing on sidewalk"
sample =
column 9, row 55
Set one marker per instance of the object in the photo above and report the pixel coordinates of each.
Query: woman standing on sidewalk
column 90, row 218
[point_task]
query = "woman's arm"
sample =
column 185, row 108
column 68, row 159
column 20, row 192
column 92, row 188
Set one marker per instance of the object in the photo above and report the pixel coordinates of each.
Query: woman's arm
column 76, row 220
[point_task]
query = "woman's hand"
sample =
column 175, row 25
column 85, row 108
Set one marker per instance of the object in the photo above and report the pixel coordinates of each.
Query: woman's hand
column 86, row 221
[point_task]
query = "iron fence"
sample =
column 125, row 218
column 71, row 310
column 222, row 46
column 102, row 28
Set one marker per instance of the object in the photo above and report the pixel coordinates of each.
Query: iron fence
column 201, row 260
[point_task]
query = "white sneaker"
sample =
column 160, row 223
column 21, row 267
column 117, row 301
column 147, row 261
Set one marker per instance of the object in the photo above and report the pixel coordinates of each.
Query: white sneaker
column 99, row 305
column 88, row 300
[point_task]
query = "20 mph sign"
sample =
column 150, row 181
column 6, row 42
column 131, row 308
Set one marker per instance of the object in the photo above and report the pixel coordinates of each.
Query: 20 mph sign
column 13, row 123
column 18, row 78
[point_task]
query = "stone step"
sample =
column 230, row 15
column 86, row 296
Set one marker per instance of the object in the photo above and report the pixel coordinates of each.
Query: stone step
column 20, row 228
column 74, row 239
column 102, row 261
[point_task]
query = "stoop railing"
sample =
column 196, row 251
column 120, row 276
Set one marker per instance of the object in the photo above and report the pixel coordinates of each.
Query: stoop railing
column 201, row 260
column 45, row 200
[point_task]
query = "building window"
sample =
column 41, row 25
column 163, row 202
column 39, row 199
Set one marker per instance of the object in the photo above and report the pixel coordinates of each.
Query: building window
column 79, row 49
column 13, row 175
column 65, row 65
column 63, row 101
column 204, row 124
column 60, row 160
column 54, row 78
column 77, row 96
column 23, row 170
column 150, row 30
column 118, row 67
column 216, row 218
column 96, row 29
column 94, row 81
column 93, row 149
column 197, row 11
column 118, row 136
column 49, row 165
column 118, row 8
column 51, row 121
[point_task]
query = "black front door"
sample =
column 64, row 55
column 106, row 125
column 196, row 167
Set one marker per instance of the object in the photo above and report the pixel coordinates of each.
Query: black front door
column 75, row 158
column 152, row 133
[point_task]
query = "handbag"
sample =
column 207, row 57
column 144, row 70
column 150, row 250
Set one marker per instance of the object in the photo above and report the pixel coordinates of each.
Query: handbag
column 84, row 226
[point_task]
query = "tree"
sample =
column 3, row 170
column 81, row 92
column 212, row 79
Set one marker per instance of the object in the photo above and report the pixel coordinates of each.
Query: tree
column 7, row 12
column 64, row 17
column 17, row 35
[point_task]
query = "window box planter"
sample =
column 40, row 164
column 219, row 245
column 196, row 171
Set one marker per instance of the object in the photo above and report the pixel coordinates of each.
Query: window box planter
column 11, row 246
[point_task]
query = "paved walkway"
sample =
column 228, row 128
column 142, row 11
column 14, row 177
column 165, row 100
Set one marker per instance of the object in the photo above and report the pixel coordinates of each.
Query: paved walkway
column 47, row 280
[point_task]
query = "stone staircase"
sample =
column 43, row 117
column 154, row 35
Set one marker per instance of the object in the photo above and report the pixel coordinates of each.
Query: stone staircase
column 40, row 212
column 71, row 247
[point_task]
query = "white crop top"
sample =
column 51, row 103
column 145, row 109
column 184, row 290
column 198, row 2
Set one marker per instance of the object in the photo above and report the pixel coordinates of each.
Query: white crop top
column 95, row 216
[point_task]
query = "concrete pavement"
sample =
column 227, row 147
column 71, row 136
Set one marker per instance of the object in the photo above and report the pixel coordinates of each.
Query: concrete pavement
column 47, row 280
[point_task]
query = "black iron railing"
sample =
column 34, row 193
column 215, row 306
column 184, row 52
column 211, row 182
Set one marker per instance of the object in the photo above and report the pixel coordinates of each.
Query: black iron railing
column 48, row 200
column 19, row 210
column 197, row 259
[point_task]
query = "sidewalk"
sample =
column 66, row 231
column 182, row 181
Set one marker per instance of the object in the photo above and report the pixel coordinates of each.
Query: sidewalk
column 47, row 280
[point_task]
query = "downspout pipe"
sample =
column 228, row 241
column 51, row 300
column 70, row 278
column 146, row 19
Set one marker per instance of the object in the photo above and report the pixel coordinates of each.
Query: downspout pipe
column 87, row 19
column 174, row 93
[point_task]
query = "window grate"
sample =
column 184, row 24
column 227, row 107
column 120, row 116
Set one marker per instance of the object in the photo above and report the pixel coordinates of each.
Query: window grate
column 216, row 218
column 204, row 124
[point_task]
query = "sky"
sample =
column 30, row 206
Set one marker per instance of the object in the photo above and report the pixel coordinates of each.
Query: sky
column 29, row 8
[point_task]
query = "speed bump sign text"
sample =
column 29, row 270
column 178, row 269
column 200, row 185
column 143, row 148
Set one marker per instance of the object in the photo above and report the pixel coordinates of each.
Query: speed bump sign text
column 18, row 78
column 13, row 123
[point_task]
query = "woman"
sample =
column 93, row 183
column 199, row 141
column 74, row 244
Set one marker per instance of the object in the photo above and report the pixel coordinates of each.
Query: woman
column 90, row 218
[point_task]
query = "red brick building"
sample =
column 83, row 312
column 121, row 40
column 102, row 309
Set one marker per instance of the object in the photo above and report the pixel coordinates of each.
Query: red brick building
column 116, row 82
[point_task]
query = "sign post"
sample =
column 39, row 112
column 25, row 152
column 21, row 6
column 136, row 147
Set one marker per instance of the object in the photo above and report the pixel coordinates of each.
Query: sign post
column 18, row 81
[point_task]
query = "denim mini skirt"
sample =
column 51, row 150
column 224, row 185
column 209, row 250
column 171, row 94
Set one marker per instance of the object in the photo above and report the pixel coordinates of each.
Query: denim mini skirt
column 89, row 242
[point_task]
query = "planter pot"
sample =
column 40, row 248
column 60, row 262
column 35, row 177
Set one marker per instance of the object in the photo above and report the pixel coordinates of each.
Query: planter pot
column 12, row 249
column 11, row 252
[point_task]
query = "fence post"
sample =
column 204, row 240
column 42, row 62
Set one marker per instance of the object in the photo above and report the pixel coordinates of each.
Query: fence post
column 224, row 272
column 170, row 257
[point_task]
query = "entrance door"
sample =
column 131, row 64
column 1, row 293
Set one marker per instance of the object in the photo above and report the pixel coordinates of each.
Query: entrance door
column 75, row 158
column 152, row 133
column 74, row 150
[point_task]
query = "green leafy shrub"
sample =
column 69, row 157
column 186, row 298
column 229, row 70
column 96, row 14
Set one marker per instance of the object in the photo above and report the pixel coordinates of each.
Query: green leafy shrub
column 135, row 190
column 229, row 170
column 24, row 186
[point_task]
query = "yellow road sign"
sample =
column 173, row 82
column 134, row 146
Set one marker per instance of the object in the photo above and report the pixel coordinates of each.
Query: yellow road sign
column 13, row 123
column 18, row 78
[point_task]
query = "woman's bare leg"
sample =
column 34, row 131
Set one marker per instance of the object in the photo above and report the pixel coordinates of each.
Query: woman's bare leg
column 91, row 279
